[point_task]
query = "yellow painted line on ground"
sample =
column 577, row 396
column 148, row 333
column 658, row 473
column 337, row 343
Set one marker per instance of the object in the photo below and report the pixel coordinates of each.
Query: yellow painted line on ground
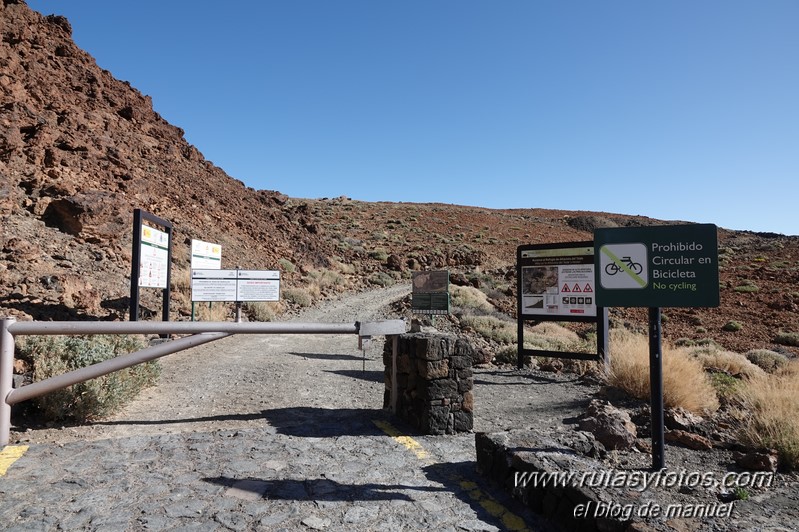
column 409, row 443
column 509, row 520
column 9, row 455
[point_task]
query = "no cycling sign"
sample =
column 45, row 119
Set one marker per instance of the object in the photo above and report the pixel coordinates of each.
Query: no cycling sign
column 661, row 266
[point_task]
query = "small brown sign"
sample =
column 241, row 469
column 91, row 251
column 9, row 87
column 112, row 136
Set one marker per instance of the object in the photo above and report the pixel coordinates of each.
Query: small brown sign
column 431, row 282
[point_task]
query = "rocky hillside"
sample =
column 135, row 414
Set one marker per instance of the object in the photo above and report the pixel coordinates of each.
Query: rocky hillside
column 79, row 150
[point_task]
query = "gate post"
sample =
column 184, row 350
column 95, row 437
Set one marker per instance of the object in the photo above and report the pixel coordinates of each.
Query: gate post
column 6, row 377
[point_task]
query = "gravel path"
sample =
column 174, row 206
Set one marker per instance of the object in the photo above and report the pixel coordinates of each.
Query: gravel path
column 287, row 432
column 257, row 433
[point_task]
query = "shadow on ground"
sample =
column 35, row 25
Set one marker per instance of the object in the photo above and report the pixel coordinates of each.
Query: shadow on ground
column 491, row 507
column 311, row 422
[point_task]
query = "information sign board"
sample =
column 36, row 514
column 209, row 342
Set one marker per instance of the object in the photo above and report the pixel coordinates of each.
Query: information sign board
column 235, row 285
column 205, row 255
column 659, row 266
column 430, row 292
column 557, row 280
column 258, row 285
column 213, row 285
column 153, row 258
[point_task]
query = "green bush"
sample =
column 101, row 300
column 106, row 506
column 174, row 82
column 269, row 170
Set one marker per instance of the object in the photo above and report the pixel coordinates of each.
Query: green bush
column 55, row 355
column 286, row 265
column 379, row 254
column 768, row 361
column 746, row 288
column 381, row 279
column 732, row 326
column 787, row 338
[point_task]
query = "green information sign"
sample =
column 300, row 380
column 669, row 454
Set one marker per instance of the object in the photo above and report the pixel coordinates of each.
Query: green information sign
column 662, row 266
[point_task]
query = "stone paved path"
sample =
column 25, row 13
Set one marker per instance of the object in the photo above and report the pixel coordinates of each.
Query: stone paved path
column 256, row 433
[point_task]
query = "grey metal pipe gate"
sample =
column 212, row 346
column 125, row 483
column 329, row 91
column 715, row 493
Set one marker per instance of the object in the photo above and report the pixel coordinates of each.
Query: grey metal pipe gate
column 202, row 332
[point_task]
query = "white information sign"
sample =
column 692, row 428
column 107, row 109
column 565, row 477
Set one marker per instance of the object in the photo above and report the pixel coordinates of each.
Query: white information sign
column 558, row 282
column 205, row 255
column 213, row 285
column 259, row 285
column 235, row 285
column 154, row 263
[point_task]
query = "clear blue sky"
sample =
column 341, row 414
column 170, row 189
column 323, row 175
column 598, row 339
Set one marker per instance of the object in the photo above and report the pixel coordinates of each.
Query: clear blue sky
column 679, row 110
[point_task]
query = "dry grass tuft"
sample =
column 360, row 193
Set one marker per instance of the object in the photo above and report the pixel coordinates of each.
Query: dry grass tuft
column 216, row 311
column 770, row 420
column 468, row 297
column 263, row 310
column 719, row 359
column 685, row 383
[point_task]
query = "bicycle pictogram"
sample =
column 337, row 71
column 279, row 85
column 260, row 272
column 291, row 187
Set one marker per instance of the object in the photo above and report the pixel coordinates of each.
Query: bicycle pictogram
column 612, row 268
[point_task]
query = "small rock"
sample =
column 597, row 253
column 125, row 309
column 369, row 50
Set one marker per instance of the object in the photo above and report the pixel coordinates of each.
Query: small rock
column 681, row 419
column 610, row 426
column 689, row 439
column 316, row 523
column 757, row 461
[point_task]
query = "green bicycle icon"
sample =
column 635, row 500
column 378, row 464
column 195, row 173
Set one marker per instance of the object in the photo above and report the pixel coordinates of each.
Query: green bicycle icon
column 612, row 268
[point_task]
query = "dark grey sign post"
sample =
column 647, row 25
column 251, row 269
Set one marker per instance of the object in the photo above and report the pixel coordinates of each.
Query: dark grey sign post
column 151, row 261
column 654, row 267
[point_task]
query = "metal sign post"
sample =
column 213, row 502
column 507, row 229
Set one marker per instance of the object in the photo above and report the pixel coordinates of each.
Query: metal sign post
column 152, row 249
column 654, row 267
column 656, row 389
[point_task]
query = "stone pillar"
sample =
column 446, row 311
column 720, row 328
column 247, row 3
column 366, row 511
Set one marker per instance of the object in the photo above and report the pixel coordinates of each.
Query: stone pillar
column 434, row 382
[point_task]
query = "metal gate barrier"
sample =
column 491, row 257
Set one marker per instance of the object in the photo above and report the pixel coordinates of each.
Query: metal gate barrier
column 201, row 333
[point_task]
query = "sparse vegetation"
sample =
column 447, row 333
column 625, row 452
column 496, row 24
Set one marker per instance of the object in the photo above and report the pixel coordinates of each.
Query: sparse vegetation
column 769, row 414
column 685, row 384
column 787, row 338
column 379, row 254
column 263, row 310
column 767, row 360
column 718, row 359
column 747, row 287
column 492, row 328
column 468, row 297
column 297, row 296
column 286, row 265
column 732, row 326
column 55, row 355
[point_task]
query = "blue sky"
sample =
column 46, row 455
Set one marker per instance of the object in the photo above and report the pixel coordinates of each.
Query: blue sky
column 678, row 110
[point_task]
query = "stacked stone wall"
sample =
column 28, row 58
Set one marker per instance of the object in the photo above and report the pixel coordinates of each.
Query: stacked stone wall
column 434, row 382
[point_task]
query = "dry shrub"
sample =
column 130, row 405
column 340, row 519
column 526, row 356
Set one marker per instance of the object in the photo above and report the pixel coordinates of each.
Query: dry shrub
column 342, row 267
column 770, row 406
column 767, row 360
column 555, row 332
column 325, row 278
column 263, row 310
column 468, row 297
column 216, row 311
column 181, row 288
column 685, row 383
column 719, row 359
column 493, row 328
column 298, row 296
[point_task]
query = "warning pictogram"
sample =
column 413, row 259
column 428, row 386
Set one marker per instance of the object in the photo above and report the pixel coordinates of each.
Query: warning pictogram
column 565, row 288
column 577, row 288
column 588, row 288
